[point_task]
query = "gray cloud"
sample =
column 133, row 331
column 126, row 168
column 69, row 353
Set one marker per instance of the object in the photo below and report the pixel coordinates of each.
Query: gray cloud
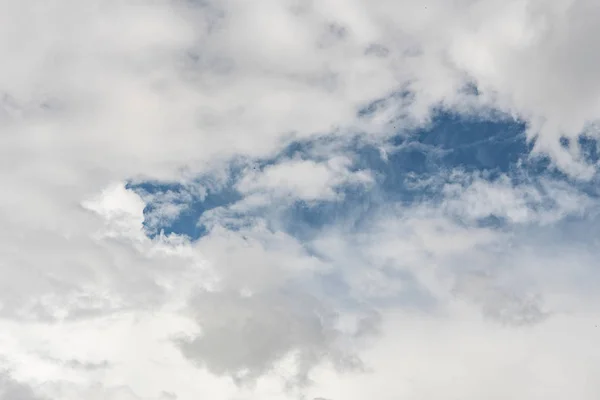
column 11, row 389
column 246, row 336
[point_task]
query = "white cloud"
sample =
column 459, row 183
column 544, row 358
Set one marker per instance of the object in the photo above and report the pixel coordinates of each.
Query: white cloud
column 543, row 202
column 464, row 357
column 304, row 179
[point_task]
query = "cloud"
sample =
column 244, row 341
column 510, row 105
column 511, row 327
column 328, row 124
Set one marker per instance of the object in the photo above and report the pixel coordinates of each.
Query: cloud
column 546, row 202
column 421, row 358
column 477, row 284
column 11, row 389
column 246, row 336
column 304, row 179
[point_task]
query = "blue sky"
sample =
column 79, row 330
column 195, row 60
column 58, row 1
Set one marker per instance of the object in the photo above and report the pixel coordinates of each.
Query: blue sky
column 407, row 168
column 293, row 199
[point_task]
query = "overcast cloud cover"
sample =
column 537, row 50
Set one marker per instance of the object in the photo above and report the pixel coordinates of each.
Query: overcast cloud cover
column 285, row 199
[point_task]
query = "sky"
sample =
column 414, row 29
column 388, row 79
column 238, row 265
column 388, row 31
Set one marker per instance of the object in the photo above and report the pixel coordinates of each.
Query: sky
column 299, row 200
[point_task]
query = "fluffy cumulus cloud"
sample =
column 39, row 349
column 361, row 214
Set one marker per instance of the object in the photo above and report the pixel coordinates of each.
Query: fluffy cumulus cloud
column 288, row 199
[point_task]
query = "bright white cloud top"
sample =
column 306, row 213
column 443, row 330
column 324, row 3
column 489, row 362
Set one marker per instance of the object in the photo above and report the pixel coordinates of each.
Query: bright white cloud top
column 287, row 199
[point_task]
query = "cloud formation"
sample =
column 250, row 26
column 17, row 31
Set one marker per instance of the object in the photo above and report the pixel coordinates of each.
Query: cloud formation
column 350, row 238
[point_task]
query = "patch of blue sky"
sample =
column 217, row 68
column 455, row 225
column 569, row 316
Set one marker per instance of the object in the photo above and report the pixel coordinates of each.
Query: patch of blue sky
column 412, row 169
column 199, row 197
